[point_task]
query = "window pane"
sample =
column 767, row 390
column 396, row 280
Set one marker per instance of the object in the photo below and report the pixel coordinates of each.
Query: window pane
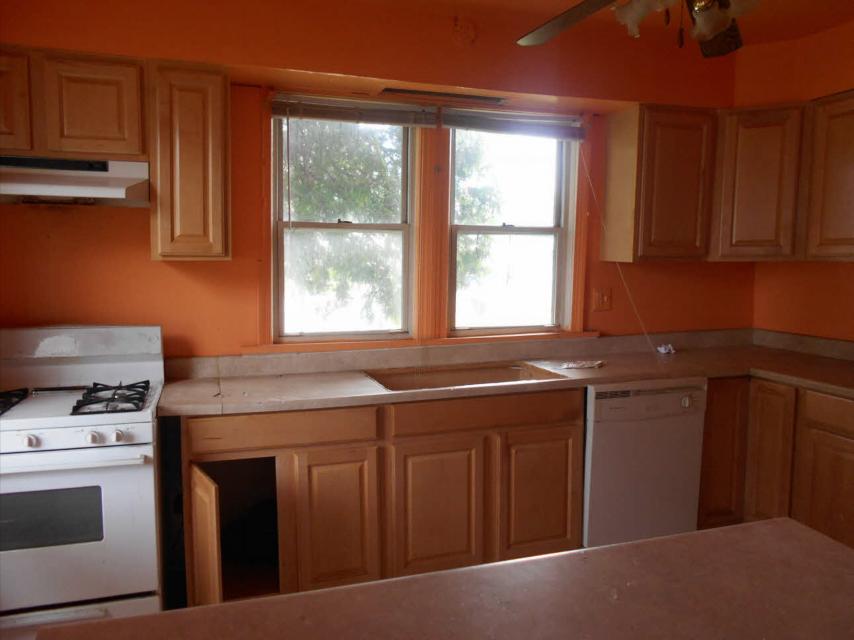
column 344, row 170
column 50, row 518
column 504, row 280
column 341, row 280
column 504, row 178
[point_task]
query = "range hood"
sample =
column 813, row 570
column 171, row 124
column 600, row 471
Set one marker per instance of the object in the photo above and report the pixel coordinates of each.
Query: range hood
column 60, row 181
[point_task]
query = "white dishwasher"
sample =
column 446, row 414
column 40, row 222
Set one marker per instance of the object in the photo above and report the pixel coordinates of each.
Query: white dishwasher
column 642, row 459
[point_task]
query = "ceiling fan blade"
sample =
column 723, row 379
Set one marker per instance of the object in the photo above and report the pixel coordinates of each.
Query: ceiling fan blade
column 550, row 29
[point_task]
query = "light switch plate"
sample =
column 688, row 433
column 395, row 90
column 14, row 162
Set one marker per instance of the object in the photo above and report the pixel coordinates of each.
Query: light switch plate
column 602, row 299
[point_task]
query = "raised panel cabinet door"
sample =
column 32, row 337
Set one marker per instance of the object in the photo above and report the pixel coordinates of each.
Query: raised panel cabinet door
column 676, row 171
column 760, row 168
column 337, row 516
column 542, row 494
column 437, row 495
column 724, row 449
column 190, row 164
column 830, row 222
column 92, row 106
column 205, row 554
column 823, row 484
column 15, row 131
column 770, row 442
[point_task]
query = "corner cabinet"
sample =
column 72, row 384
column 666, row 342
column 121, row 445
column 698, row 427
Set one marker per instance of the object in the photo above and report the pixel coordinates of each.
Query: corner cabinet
column 770, row 439
column 189, row 119
column 830, row 214
column 758, row 172
column 659, row 178
column 724, row 451
column 823, row 483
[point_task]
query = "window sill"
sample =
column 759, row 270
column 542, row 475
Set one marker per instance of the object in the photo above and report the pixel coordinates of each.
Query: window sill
column 345, row 345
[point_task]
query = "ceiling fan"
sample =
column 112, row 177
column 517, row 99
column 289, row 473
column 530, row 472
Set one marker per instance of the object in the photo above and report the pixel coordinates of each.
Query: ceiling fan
column 714, row 25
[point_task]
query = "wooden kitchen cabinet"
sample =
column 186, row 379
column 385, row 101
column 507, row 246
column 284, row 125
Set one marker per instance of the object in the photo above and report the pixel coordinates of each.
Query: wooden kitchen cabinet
column 823, row 484
column 337, row 515
column 298, row 500
column 89, row 105
column 437, row 491
column 724, row 450
column 770, row 441
column 542, row 492
column 479, row 479
column 658, row 191
column 830, row 214
column 15, row 122
column 757, row 178
column 234, row 532
column 190, row 163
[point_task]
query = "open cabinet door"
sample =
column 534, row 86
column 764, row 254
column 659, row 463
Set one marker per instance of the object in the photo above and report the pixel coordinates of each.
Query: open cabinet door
column 205, row 537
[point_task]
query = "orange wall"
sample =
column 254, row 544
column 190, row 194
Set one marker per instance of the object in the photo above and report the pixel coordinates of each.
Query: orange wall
column 68, row 265
column 412, row 41
column 795, row 70
column 92, row 265
column 808, row 298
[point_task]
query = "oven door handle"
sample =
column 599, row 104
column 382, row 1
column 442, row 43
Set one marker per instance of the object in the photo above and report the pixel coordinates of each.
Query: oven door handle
column 40, row 618
column 120, row 462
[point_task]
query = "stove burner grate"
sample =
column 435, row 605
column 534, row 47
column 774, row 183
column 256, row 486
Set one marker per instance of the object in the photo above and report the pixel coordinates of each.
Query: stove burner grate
column 103, row 398
column 9, row 399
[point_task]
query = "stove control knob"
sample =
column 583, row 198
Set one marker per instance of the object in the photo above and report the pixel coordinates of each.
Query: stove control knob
column 117, row 436
column 31, row 441
column 92, row 437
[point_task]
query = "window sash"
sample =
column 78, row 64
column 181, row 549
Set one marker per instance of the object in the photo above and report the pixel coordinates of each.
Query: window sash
column 562, row 230
column 283, row 223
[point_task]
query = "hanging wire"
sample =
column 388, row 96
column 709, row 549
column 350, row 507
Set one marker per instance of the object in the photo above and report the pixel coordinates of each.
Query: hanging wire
column 631, row 298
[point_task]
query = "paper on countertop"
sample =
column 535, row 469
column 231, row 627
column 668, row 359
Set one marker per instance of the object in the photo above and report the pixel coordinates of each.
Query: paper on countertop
column 582, row 364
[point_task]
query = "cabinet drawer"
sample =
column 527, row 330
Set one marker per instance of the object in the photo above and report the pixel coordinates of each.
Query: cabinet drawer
column 438, row 416
column 277, row 430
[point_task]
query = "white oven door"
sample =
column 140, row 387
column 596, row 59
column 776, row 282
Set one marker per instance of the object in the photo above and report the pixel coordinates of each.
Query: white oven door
column 76, row 525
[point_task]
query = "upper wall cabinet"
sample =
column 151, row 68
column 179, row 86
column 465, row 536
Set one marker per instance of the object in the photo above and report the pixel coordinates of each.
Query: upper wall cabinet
column 61, row 105
column 659, row 171
column 757, row 183
column 15, row 130
column 830, row 215
column 90, row 106
column 189, row 163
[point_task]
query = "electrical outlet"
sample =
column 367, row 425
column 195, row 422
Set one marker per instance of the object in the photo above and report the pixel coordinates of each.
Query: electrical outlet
column 602, row 299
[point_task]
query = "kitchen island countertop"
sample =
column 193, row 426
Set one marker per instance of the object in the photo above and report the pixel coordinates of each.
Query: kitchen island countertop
column 770, row 579
column 263, row 393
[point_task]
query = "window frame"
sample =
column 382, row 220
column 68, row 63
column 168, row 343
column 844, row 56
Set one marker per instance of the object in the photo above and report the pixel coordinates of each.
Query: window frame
column 563, row 230
column 282, row 223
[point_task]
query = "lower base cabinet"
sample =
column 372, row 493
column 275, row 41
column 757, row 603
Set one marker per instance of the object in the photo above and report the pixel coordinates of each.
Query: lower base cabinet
column 337, row 516
column 311, row 499
column 437, row 492
column 541, row 491
column 770, row 443
column 724, row 450
column 792, row 453
column 823, row 482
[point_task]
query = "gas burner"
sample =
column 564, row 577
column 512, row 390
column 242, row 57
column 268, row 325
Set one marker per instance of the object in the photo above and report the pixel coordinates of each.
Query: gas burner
column 104, row 398
column 9, row 399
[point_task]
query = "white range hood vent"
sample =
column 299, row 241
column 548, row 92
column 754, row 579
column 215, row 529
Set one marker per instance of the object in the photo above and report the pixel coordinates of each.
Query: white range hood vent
column 58, row 181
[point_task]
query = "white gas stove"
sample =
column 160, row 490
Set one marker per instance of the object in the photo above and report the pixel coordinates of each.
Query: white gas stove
column 77, row 445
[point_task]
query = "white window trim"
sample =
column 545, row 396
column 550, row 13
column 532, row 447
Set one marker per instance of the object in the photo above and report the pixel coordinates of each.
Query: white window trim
column 281, row 224
column 564, row 228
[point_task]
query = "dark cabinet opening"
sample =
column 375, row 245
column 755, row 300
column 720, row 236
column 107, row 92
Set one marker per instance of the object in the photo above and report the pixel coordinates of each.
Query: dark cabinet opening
column 248, row 531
